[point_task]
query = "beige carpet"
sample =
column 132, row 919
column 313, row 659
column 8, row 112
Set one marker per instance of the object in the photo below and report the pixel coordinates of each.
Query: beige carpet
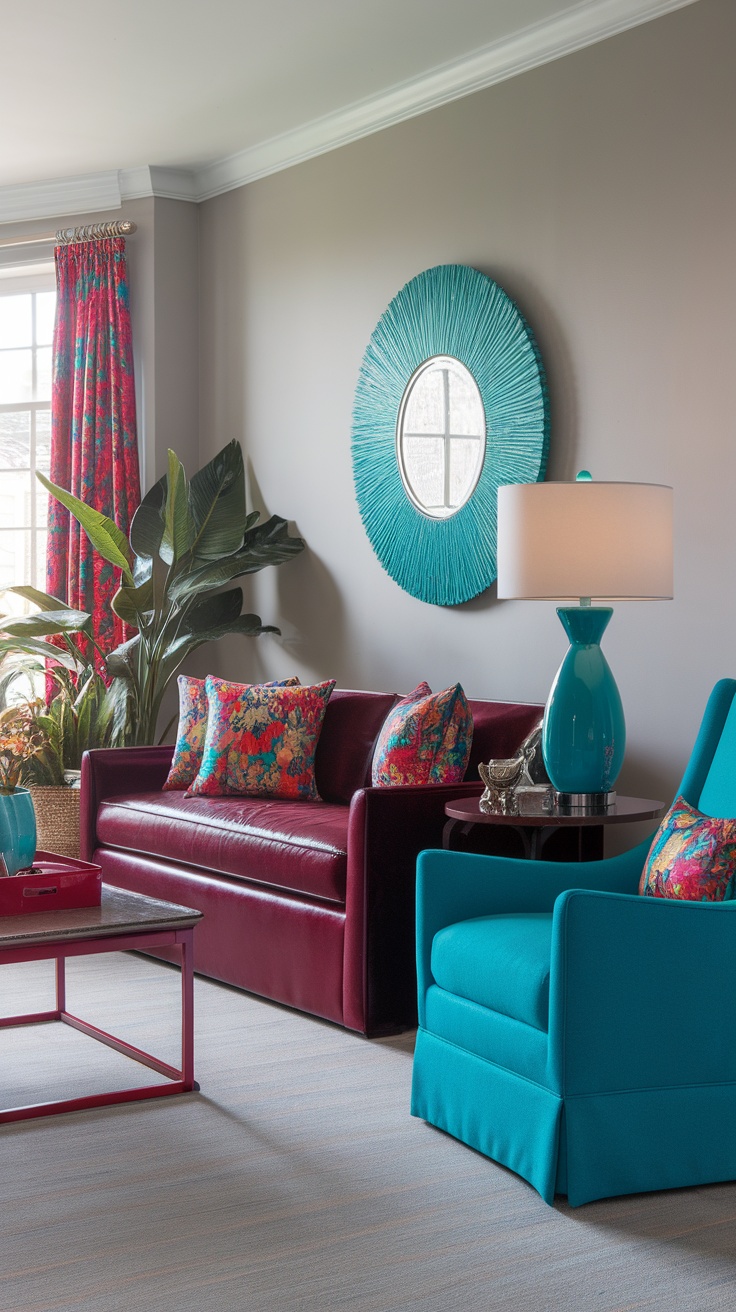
column 296, row 1180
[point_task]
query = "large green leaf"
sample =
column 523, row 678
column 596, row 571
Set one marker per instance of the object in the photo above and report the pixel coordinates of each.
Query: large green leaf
column 123, row 661
column 265, row 544
column 118, row 713
column 147, row 524
column 178, row 528
column 40, row 599
column 132, row 604
column 106, row 538
column 45, row 624
column 33, row 647
column 217, row 500
column 246, row 625
column 220, row 608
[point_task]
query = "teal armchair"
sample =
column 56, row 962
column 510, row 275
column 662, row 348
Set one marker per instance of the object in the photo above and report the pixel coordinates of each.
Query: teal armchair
column 575, row 1032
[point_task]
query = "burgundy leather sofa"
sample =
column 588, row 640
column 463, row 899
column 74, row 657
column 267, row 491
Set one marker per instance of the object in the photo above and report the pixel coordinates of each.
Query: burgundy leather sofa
column 308, row 903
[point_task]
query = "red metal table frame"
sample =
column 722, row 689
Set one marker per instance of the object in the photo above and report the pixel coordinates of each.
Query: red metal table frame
column 180, row 1080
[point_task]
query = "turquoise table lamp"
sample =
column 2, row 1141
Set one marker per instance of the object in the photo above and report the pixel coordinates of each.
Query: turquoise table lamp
column 584, row 542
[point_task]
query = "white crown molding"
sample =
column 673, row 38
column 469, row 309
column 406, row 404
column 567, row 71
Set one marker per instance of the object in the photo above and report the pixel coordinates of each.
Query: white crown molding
column 152, row 180
column 59, row 197
column 580, row 26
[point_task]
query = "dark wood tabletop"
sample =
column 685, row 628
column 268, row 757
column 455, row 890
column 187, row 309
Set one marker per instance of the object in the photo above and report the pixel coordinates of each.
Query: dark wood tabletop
column 120, row 912
column 623, row 810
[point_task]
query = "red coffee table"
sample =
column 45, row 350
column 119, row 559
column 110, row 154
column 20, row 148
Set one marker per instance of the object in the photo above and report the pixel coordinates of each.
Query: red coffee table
column 123, row 922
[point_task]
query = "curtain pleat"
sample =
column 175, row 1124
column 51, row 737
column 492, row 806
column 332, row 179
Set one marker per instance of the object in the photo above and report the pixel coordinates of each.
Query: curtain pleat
column 94, row 448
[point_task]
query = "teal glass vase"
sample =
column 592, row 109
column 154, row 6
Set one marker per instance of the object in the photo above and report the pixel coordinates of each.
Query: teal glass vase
column 583, row 732
column 17, row 830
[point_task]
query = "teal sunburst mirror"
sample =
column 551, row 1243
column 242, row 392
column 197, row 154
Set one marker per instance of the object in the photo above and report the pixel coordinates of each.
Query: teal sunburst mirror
column 451, row 403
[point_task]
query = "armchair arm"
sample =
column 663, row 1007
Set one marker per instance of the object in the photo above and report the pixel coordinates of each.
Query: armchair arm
column 108, row 772
column 641, row 992
column 453, row 886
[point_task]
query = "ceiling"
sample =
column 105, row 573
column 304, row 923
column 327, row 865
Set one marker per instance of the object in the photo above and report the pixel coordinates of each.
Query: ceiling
column 226, row 90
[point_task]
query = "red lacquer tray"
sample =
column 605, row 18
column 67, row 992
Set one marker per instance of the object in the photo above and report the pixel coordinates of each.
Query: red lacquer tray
column 55, row 883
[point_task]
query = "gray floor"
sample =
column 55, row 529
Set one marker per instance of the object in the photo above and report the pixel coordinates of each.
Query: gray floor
column 296, row 1180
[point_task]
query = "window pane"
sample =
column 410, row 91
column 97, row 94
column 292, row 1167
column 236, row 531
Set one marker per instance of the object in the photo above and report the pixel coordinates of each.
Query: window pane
column 43, row 440
column 45, row 309
column 465, row 461
column 16, row 375
column 15, row 557
column 424, row 469
column 16, row 323
column 43, row 373
column 425, row 408
column 15, row 440
column 15, row 499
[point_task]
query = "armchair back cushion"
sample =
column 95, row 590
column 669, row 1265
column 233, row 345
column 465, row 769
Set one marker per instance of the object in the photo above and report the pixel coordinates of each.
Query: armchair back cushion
column 718, row 795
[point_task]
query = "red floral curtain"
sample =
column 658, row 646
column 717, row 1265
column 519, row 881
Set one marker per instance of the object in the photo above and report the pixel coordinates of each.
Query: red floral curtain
column 94, row 450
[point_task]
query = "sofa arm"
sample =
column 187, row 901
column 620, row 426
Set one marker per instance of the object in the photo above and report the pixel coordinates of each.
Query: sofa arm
column 108, row 772
column 641, row 993
column 388, row 828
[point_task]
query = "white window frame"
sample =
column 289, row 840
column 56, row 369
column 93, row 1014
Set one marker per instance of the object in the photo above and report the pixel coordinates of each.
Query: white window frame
column 18, row 280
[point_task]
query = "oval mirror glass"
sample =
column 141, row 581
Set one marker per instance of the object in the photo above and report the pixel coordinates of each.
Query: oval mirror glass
column 441, row 436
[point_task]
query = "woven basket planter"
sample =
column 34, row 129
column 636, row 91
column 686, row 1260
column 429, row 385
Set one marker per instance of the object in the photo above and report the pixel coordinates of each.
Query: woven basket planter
column 57, row 818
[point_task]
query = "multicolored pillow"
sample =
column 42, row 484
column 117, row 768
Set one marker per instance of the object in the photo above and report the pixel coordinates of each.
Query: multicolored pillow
column 190, row 735
column 261, row 740
column 425, row 739
column 693, row 857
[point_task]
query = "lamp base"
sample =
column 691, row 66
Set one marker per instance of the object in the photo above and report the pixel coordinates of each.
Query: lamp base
column 583, row 733
column 584, row 803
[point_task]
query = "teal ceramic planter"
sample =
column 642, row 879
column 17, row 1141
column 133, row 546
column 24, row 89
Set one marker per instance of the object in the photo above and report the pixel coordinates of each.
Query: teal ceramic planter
column 583, row 733
column 17, row 829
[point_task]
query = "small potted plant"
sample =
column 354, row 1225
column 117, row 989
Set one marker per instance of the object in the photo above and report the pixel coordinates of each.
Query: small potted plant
column 60, row 726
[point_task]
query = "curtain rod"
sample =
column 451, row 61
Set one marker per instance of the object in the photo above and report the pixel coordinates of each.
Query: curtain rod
column 66, row 236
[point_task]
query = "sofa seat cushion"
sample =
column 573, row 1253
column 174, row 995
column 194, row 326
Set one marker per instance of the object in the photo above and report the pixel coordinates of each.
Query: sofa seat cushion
column 500, row 962
column 297, row 846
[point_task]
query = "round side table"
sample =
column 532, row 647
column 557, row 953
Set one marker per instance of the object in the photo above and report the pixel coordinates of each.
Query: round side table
column 534, row 830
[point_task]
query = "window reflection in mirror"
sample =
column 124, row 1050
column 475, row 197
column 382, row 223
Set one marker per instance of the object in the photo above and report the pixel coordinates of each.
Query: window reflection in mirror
column 441, row 436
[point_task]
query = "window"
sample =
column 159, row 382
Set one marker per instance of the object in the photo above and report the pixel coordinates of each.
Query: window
column 27, row 304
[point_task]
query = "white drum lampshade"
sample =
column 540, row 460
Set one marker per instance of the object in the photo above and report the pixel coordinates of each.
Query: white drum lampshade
column 564, row 541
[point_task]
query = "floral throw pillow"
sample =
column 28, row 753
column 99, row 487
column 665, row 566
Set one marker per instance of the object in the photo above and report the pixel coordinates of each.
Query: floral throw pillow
column 425, row 739
column 260, row 740
column 193, row 711
column 693, row 857
column 190, row 734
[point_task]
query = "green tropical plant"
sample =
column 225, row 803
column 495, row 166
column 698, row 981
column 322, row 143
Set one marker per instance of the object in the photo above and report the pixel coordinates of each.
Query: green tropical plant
column 74, row 717
column 188, row 539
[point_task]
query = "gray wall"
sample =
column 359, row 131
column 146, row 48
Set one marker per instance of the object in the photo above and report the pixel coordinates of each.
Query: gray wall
column 600, row 192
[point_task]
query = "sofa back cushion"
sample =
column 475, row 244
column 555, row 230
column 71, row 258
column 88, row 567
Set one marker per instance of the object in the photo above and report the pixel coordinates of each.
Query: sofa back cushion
column 498, row 730
column 352, row 723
